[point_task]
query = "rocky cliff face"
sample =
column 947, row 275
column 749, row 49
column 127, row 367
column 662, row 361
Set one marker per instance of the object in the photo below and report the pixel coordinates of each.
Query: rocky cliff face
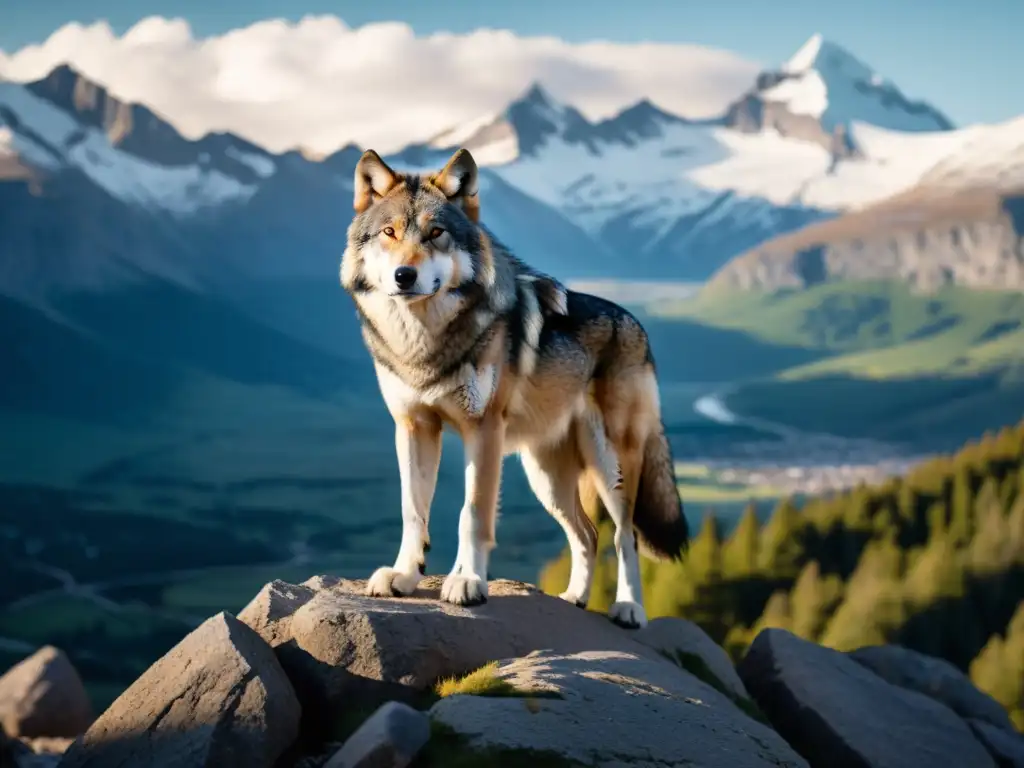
column 318, row 674
column 972, row 238
column 752, row 114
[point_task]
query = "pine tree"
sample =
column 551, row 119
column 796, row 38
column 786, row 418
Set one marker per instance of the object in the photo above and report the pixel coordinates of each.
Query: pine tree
column 781, row 548
column 999, row 668
column 740, row 554
column 906, row 502
column 704, row 559
column 961, row 505
column 872, row 608
column 813, row 600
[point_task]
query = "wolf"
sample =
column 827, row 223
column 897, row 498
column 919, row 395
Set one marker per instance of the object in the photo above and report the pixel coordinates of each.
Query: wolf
column 464, row 335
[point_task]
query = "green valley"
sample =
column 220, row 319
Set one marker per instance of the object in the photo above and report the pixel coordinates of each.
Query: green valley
column 890, row 363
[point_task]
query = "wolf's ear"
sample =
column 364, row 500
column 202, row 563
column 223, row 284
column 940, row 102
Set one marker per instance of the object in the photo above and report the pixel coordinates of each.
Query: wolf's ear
column 458, row 181
column 373, row 180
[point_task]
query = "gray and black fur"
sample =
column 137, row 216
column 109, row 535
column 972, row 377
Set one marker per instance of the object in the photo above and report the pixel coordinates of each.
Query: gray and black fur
column 464, row 334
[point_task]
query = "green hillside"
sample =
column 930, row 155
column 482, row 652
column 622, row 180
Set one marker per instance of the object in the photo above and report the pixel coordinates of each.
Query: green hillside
column 933, row 561
column 878, row 329
column 889, row 363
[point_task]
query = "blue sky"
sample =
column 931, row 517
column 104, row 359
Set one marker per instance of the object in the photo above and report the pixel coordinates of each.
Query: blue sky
column 957, row 54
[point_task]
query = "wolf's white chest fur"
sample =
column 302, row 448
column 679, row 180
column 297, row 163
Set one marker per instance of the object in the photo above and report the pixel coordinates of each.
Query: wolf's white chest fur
column 469, row 391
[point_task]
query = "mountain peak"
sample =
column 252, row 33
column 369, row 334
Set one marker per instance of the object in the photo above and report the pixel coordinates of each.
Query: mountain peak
column 537, row 96
column 829, row 59
column 535, row 118
column 821, row 91
column 71, row 91
column 806, row 55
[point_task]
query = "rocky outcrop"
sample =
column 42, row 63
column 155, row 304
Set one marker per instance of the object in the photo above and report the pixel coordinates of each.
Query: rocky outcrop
column 687, row 645
column 338, row 645
column 928, row 238
column 318, row 674
column 392, row 736
column 837, row 713
column 935, row 678
column 753, row 114
column 218, row 698
column 44, row 696
column 609, row 708
column 1006, row 746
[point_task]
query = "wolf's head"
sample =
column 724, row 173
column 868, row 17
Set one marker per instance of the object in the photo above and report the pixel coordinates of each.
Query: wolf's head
column 413, row 236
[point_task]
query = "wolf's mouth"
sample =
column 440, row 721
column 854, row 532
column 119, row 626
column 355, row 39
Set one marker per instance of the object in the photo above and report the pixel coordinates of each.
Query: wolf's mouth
column 410, row 295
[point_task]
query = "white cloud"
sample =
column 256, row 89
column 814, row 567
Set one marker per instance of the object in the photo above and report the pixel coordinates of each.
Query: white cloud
column 318, row 83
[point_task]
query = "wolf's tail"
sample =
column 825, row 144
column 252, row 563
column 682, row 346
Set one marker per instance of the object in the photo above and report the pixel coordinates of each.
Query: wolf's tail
column 658, row 513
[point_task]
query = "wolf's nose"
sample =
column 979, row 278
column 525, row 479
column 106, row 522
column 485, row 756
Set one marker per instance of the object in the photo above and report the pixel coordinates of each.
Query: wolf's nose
column 405, row 277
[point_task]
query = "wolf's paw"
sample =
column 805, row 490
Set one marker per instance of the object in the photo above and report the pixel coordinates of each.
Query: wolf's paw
column 574, row 598
column 387, row 582
column 464, row 590
column 628, row 615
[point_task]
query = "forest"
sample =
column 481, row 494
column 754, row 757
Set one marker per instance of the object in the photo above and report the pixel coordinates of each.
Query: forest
column 933, row 561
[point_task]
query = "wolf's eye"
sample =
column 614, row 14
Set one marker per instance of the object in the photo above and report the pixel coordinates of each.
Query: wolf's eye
column 435, row 233
column 389, row 231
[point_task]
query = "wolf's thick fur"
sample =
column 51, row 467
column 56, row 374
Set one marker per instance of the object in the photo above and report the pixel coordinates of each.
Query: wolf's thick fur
column 465, row 335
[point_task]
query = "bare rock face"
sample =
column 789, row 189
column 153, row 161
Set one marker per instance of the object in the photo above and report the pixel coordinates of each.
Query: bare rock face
column 688, row 645
column 390, row 738
column 44, row 696
column 14, row 753
column 270, row 612
column 839, row 714
column 927, row 237
column 933, row 677
column 217, row 699
column 611, row 708
column 340, row 646
column 1007, row 747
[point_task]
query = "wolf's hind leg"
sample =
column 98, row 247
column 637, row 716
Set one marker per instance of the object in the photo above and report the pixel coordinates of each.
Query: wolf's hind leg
column 616, row 474
column 553, row 473
column 418, row 444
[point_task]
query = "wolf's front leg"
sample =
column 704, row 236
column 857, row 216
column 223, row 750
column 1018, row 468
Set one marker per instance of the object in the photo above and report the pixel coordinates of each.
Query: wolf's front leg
column 418, row 444
column 467, row 582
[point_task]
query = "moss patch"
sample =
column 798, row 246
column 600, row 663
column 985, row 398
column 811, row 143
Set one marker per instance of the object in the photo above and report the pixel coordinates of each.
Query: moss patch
column 485, row 682
column 450, row 749
column 696, row 666
column 354, row 716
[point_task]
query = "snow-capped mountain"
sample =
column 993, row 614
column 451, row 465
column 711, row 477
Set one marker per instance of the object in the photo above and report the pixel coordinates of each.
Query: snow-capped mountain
column 100, row 193
column 65, row 122
column 821, row 92
column 644, row 193
column 122, row 240
column 820, row 136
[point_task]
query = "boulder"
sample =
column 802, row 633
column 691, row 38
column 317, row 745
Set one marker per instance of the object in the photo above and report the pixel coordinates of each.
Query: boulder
column 340, row 646
column 839, row 714
column 16, row 754
column 44, row 696
column 1007, row 747
column 933, row 677
column 218, row 698
column 271, row 611
column 390, row 738
column 690, row 646
column 605, row 709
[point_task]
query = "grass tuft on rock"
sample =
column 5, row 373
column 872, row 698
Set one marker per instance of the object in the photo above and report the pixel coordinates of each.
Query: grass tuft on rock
column 485, row 682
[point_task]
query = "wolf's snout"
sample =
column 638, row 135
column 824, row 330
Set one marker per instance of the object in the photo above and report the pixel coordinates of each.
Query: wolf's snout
column 405, row 278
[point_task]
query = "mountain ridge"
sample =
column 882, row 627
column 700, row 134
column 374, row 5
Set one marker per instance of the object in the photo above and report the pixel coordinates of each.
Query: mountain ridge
column 656, row 194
